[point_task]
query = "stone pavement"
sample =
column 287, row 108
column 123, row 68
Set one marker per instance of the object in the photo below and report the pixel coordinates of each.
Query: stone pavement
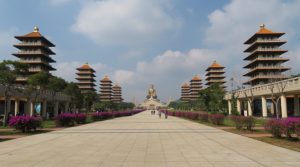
column 143, row 140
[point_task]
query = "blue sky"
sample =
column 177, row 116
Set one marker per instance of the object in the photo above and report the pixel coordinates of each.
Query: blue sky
column 140, row 42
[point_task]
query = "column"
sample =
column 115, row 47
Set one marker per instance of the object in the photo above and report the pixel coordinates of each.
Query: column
column 283, row 106
column 229, row 107
column 31, row 108
column 238, row 106
column 44, row 109
column 272, row 108
column 67, row 107
column 8, row 109
column 264, row 106
column 56, row 108
column 296, row 106
column 17, row 106
column 249, row 108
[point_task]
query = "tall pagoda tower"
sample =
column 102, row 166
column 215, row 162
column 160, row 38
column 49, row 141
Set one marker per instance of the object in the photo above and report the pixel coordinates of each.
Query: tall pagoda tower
column 265, row 61
column 195, row 87
column 117, row 93
column 85, row 77
column 215, row 74
column 105, row 89
column 185, row 92
column 34, row 50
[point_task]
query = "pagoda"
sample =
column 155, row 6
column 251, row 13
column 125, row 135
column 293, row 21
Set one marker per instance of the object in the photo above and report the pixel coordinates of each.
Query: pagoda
column 265, row 61
column 117, row 93
column 85, row 77
column 105, row 89
column 195, row 87
column 185, row 90
column 34, row 50
column 215, row 74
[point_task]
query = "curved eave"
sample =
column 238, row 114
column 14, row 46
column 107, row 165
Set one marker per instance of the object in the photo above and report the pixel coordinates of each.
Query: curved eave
column 35, row 54
column 48, row 50
column 249, row 57
column 50, row 44
column 283, row 69
column 260, row 43
column 265, row 60
column 254, row 37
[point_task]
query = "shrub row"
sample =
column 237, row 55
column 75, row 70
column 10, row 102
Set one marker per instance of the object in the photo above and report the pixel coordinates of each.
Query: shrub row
column 25, row 123
column 242, row 122
column 217, row 119
column 106, row 115
column 289, row 127
column 70, row 119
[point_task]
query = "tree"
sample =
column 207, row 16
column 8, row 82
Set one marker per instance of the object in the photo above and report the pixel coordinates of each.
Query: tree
column 37, row 83
column 213, row 98
column 9, row 71
column 88, row 99
column 72, row 90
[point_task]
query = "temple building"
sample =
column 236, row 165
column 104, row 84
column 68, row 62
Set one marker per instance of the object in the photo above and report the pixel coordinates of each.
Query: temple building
column 105, row 89
column 215, row 74
column 34, row 50
column 195, row 87
column 185, row 92
column 117, row 93
column 85, row 77
column 265, row 61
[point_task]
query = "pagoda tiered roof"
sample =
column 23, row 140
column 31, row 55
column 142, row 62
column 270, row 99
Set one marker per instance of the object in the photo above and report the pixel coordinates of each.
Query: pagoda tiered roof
column 264, row 58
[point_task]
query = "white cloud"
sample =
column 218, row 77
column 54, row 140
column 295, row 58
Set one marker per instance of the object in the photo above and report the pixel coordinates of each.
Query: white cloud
column 166, row 71
column 231, row 26
column 123, row 77
column 125, row 22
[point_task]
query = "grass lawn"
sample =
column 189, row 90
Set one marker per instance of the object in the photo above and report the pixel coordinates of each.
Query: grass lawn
column 48, row 124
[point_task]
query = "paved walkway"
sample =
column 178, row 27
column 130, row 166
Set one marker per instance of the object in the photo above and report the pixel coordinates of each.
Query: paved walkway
column 143, row 140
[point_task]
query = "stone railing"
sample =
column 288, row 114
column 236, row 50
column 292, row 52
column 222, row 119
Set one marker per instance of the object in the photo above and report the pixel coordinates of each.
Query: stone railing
column 21, row 92
column 288, row 86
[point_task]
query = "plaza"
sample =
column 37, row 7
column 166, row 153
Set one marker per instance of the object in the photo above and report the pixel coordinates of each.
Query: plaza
column 143, row 140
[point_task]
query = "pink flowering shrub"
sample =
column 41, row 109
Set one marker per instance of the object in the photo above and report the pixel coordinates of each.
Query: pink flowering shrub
column 283, row 127
column 80, row 118
column 98, row 116
column 65, row 119
column 241, row 122
column 217, row 119
column 203, row 116
column 25, row 123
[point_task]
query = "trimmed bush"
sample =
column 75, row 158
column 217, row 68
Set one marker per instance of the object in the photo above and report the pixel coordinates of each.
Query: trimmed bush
column 65, row 119
column 241, row 122
column 25, row 123
column 98, row 116
column 283, row 127
column 217, row 119
column 203, row 116
column 80, row 118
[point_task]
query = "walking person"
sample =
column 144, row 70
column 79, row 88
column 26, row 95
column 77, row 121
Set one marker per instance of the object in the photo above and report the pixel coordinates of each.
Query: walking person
column 159, row 113
column 166, row 114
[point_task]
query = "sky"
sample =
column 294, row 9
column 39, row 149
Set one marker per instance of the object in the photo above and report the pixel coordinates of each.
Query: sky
column 142, row 42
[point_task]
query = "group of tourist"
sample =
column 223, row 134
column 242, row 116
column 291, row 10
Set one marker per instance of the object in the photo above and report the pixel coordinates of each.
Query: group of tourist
column 160, row 113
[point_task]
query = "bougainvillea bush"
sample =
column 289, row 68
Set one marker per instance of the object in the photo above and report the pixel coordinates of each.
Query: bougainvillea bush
column 107, row 115
column 288, row 127
column 203, row 116
column 80, row 118
column 241, row 122
column 217, row 119
column 25, row 123
column 65, row 119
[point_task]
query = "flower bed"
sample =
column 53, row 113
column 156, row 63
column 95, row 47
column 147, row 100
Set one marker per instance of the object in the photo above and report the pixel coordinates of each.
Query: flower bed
column 241, row 122
column 107, row 115
column 25, row 123
column 217, row 119
column 288, row 127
